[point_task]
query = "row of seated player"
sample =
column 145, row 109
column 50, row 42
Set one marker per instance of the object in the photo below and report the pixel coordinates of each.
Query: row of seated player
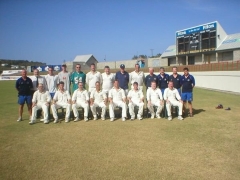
column 116, row 97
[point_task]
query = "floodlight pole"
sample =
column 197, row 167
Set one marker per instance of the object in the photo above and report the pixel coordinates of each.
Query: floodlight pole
column 152, row 51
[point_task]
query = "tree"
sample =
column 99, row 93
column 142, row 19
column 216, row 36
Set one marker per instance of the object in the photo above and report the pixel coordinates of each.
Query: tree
column 135, row 57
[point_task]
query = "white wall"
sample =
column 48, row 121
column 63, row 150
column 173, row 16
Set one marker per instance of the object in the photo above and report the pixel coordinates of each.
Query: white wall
column 219, row 80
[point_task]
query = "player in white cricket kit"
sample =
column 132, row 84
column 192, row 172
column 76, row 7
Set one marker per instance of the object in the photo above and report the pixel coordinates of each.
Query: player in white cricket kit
column 41, row 100
column 52, row 81
column 154, row 98
column 107, row 80
column 117, row 98
column 172, row 98
column 92, row 77
column 61, row 99
column 98, row 98
column 80, row 98
column 135, row 97
column 137, row 76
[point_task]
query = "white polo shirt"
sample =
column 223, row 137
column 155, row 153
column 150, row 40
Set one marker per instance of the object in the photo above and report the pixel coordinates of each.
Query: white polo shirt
column 135, row 95
column 92, row 78
column 80, row 96
column 117, row 94
column 62, row 97
column 138, row 77
column 41, row 97
column 107, row 81
column 171, row 95
column 98, row 96
column 52, row 82
column 154, row 95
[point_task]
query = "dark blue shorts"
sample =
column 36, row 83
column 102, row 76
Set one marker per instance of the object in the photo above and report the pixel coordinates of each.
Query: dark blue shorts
column 23, row 99
column 188, row 96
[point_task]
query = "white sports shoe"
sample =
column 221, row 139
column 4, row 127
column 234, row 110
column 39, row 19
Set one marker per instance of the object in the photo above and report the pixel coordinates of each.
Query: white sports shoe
column 112, row 119
column 55, row 121
column 103, row 118
column 123, row 119
column 19, row 119
column 169, row 118
column 45, row 121
column 180, row 118
column 42, row 119
column 152, row 116
column 158, row 116
column 66, row 120
column 132, row 118
column 32, row 122
column 139, row 117
column 95, row 118
column 85, row 119
column 76, row 119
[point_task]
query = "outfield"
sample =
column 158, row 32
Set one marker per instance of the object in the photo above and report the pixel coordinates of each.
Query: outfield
column 206, row 146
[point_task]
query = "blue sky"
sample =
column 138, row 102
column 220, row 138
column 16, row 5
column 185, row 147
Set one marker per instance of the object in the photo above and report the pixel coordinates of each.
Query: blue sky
column 52, row 31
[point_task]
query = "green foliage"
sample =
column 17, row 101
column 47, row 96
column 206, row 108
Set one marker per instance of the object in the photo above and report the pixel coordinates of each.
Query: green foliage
column 21, row 62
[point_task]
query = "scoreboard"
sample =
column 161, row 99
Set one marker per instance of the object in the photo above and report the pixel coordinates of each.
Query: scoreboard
column 197, row 39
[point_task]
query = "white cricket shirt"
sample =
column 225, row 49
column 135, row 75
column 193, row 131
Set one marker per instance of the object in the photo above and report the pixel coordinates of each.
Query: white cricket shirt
column 137, row 77
column 171, row 95
column 52, row 82
column 62, row 97
column 41, row 97
column 135, row 95
column 80, row 96
column 107, row 81
column 92, row 78
column 154, row 94
column 117, row 94
column 98, row 96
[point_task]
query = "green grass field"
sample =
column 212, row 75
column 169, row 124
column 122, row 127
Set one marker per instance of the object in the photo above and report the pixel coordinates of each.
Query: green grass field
column 206, row 146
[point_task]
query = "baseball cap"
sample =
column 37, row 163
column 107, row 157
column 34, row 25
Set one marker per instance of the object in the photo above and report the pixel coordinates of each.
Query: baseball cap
column 122, row 66
column 64, row 64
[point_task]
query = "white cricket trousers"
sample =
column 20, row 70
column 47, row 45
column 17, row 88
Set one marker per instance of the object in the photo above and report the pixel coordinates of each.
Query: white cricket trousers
column 94, row 109
column 85, row 107
column 151, row 108
column 126, row 92
column 131, row 106
column 38, row 106
column 118, row 104
column 174, row 103
column 58, row 105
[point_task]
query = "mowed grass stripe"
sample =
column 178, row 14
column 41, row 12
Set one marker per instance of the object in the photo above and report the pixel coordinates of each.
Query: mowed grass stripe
column 203, row 147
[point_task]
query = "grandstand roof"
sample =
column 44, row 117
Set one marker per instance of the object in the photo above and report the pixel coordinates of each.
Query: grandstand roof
column 83, row 58
column 170, row 51
column 232, row 41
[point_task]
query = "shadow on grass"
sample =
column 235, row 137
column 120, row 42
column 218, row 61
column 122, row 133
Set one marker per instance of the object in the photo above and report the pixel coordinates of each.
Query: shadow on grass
column 198, row 111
